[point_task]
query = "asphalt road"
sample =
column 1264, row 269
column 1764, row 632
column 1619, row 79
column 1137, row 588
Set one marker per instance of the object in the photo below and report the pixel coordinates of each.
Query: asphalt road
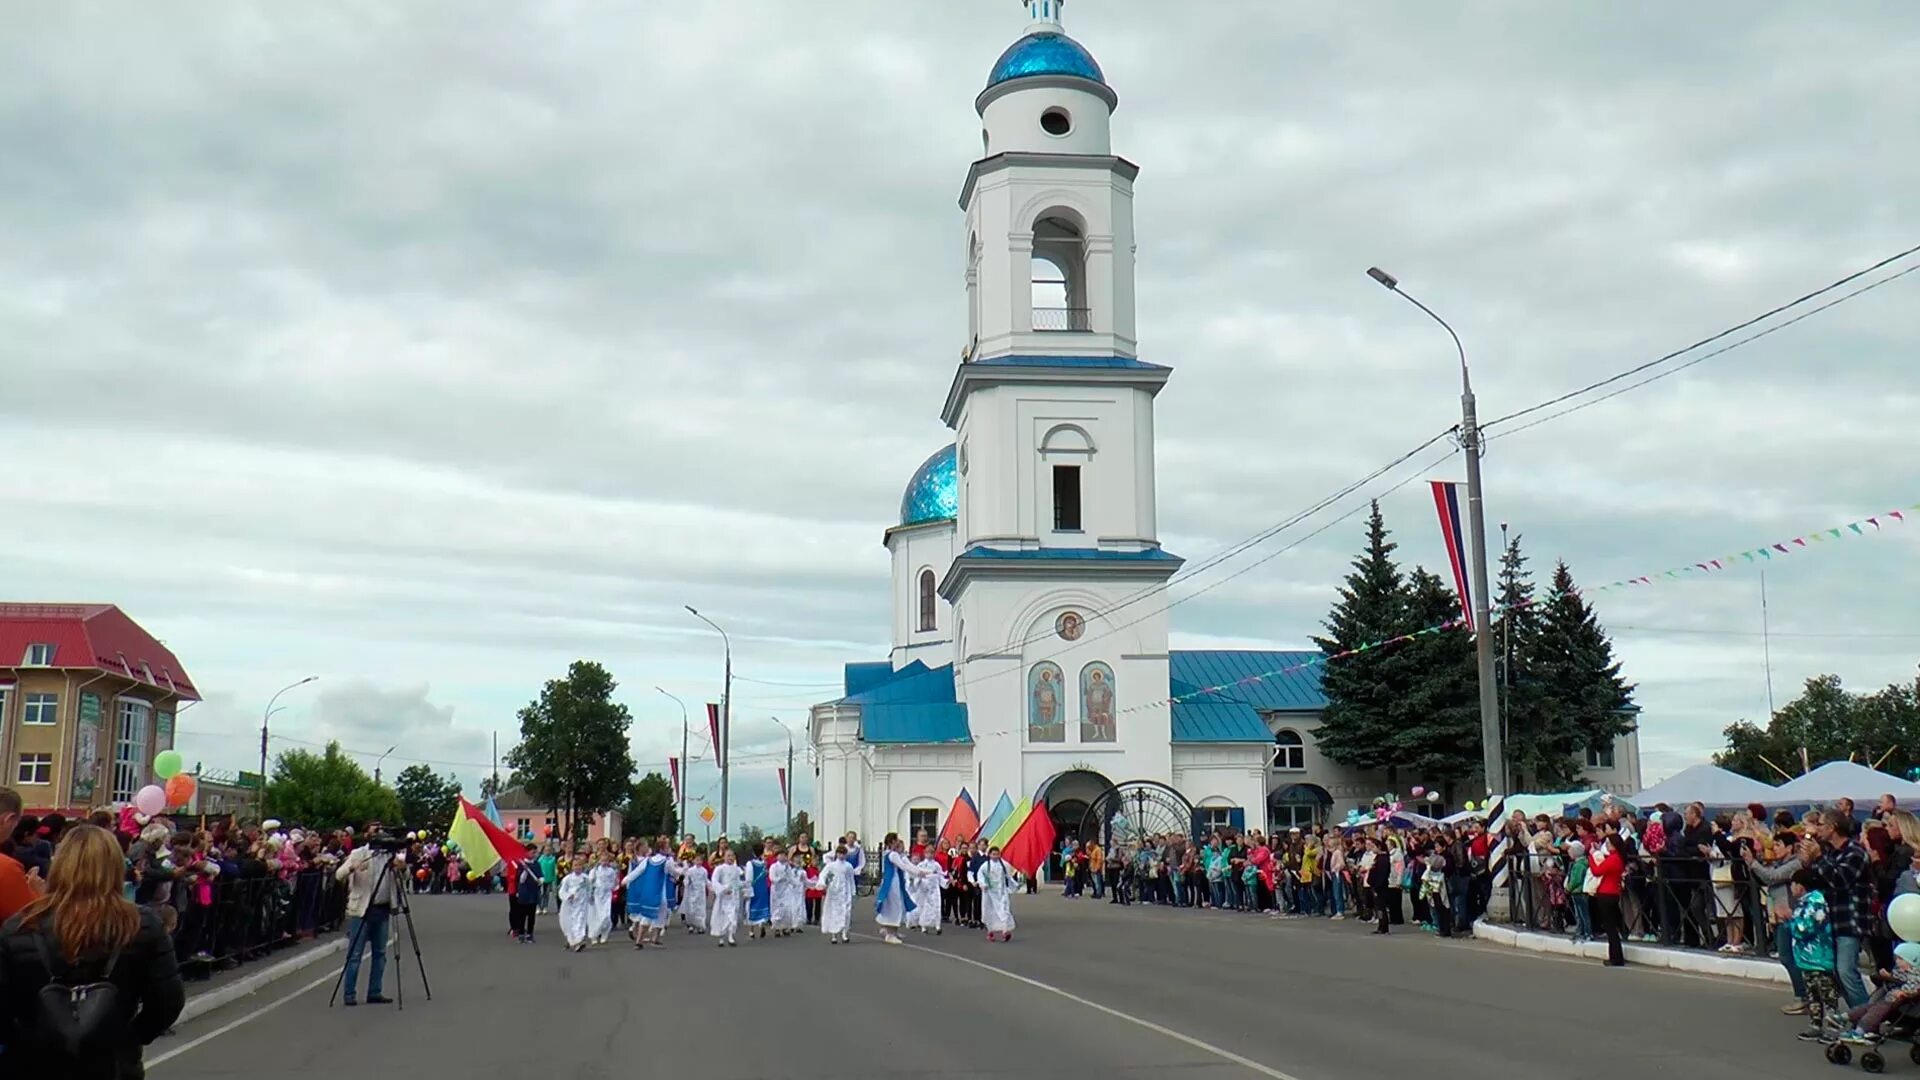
column 1084, row 989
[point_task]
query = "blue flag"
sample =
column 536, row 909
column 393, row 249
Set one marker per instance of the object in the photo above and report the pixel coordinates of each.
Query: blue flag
column 1002, row 810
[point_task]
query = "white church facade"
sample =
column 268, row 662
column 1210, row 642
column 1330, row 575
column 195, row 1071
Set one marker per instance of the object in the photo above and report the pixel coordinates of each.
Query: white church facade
column 1030, row 642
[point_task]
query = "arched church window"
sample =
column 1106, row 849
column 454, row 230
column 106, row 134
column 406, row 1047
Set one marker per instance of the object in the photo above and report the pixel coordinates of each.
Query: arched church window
column 1059, row 276
column 927, row 595
column 1289, row 752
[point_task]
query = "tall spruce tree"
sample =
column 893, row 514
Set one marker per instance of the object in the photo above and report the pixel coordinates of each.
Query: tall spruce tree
column 1357, row 728
column 1578, row 679
column 1537, row 754
column 1407, row 705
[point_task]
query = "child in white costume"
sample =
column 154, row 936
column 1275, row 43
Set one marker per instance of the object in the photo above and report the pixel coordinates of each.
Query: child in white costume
column 604, row 877
column 693, row 897
column 727, row 886
column 576, row 898
column 926, row 894
column 836, row 907
column 996, row 881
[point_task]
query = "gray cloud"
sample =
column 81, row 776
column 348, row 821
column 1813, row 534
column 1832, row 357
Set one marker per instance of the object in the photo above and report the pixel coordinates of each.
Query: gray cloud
column 426, row 351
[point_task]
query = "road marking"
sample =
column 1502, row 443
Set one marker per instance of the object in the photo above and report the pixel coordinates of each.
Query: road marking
column 1161, row 1029
column 229, row 1026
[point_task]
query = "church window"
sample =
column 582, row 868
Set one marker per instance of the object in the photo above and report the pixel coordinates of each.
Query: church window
column 1056, row 121
column 1066, row 498
column 1059, row 276
column 927, row 613
column 923, row 820
column 1289, row 753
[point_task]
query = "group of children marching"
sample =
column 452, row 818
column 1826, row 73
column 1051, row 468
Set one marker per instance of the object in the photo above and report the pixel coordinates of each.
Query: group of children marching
column 771, row 889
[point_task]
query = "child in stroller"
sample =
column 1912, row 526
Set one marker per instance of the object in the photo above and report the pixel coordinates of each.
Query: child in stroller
column 1893, row 1013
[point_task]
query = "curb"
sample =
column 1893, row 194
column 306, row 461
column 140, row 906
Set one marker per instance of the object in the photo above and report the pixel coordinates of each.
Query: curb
column 199, row 1005
column 1730, row 967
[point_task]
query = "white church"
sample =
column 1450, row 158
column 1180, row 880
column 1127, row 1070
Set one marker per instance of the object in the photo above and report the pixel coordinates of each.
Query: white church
column 1030, row 646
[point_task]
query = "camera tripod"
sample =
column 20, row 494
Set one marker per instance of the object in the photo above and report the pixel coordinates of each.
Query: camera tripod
column 403, row 908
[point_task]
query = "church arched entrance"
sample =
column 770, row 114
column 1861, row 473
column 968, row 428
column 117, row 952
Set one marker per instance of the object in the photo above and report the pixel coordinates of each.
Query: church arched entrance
column 1138, row 813
column 1067, row 797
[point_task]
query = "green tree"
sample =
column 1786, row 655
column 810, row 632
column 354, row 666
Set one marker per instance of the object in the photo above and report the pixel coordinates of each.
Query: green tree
column 1407, row 705
column 1532, row 748
column 328, row 790
column 650, row 807
column 573, row 751
column 490, row 785
column 802, row 825
column 426, row 799
column 1576, row 680
column 1829, row 723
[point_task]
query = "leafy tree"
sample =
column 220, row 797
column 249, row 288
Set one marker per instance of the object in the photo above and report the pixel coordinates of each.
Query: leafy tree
column 573, row 750
column 1408, row 705
column 749, row 836
column 802, row 825
column 426, row 800
column 650, row 807
column 328, row 790
column 1829, row 723
column 490, row 786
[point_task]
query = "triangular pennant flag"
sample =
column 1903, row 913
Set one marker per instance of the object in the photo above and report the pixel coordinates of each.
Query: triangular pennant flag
column 1782, row 549
column 1874, row 521
column 1800, row 541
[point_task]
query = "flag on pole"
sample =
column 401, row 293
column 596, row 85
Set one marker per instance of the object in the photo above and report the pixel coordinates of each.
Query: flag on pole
column 1446, row 501
column 713, row 728
column 963, row 821
column 483, row 844
column 1026, row 850
column 1014, row 820
column 673, row 769
column 994, row 820
column 782, row 769
column 493, row 813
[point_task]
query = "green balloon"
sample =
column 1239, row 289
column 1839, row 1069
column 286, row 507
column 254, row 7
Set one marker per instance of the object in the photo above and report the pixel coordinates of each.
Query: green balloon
column 168, row 764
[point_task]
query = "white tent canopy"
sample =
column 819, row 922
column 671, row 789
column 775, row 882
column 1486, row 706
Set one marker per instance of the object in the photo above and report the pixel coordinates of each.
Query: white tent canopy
column 1709, row 784
column 1845, row 780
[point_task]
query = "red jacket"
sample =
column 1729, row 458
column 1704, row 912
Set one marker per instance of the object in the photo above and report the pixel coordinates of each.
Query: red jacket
column 1610, row 869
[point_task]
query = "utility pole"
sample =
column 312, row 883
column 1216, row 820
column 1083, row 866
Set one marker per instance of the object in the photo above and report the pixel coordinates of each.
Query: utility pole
column 683, row 757
column 726, row 714
column 264, row 717
column 1492, row 753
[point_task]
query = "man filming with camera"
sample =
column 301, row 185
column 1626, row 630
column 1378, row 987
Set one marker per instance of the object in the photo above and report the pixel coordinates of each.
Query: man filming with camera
column 373, row 874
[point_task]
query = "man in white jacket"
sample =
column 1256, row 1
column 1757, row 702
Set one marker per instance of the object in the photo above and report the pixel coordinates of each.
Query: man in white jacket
column 369, row 914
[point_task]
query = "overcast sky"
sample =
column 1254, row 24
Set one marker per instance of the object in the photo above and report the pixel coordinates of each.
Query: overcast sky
column 428, row 349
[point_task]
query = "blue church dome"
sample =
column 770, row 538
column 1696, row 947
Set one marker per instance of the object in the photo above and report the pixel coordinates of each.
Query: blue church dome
column 1045, row 53
column 934, row 492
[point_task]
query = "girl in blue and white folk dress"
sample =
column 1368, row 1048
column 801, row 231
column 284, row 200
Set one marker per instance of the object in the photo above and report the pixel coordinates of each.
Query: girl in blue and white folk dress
column 892, row 902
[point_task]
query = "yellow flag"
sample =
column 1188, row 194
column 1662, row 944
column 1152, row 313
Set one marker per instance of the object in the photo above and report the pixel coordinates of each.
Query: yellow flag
column 1011, row 825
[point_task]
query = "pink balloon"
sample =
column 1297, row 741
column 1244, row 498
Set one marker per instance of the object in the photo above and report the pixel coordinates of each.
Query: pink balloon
column 150, row 800
column 1419, row 791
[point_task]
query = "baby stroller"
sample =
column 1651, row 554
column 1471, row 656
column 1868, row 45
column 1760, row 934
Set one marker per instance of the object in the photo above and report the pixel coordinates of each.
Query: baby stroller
column 1901, row 1027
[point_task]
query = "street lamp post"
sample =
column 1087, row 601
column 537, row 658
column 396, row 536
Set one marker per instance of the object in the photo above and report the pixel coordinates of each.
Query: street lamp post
column 726, row 714
column 379, row 761
column 264, row 717
column 683, row 757
column 1493, row 758
column 789, row 784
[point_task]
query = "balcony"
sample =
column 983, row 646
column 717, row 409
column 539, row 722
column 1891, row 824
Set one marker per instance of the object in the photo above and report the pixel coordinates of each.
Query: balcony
column 1063, row 319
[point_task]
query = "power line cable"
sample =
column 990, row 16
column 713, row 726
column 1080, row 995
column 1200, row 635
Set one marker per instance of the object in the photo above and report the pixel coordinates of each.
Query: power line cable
column 1734, row 329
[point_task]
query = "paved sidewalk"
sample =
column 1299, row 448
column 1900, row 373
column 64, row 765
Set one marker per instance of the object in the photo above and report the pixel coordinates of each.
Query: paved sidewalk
column 226, row 987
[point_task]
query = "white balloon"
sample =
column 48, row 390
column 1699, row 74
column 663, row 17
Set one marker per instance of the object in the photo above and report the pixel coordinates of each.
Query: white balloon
column 1903, row 915
column 150, row 799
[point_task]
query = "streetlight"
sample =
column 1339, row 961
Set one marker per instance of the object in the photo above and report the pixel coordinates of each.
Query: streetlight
column 726, row 714
column 378, row 762
column 1493, row 759
column 789, row 783
column 264, row 717
column 683, row 756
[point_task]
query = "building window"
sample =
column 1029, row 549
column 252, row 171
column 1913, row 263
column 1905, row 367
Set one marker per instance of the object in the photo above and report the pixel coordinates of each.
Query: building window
column 1066, row 498
column 927, row 613
column 1293, row 816
column 130, row 749
column 35, row 769
column 1600, row 757
column 1215, row 819
column 919, row 821
column 39, row 654
column 41, row 710
column 1059, row 279
column 1289, row 753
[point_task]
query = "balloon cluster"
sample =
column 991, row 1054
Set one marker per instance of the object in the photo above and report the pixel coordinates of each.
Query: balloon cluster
column 170, row 768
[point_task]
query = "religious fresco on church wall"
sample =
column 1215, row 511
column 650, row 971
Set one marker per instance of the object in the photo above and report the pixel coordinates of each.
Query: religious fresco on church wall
column 1096, row 704
column 1046, row 704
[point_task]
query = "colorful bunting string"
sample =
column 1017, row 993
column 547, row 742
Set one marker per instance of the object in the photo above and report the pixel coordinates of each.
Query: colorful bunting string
column 1763, row 553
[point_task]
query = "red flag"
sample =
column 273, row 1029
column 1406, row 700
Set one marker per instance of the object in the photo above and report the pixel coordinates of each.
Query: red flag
column 673, row 767
column 1446, row 500
column 713, row 726
column 962, row 821
column 1026, row 850
column 783, row 781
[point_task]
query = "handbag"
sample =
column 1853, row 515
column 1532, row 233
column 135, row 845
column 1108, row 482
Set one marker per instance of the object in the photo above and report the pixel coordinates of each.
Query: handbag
column 1590, row 885
column 81, row 1020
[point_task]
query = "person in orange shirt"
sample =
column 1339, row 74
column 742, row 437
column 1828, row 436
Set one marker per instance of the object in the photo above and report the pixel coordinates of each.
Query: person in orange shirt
column 17, row 887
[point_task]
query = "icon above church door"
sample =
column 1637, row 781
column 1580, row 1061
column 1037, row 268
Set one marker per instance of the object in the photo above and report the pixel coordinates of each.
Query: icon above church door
column 1070, row 626
column 1096, row 704
column 1046, row 704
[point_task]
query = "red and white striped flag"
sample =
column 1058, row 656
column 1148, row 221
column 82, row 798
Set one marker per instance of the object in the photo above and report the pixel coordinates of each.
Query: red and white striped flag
column 713, row 727
column 1446, row 500
column 673, row 768
column 783, row 782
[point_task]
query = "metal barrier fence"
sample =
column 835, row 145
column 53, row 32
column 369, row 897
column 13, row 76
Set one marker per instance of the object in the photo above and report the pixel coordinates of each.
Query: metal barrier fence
column 240, row 920
column 1691, row 902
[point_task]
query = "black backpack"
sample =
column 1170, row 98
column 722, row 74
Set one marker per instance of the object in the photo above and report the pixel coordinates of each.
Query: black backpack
column 81, row 1020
